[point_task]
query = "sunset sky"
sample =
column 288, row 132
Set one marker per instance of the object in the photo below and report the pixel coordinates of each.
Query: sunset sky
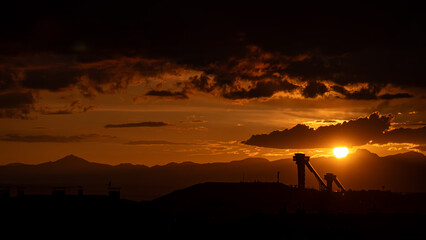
column 171, row 82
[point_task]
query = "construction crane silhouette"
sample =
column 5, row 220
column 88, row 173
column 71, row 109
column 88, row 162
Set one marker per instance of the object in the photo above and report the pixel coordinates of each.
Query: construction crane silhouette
column 302, row 161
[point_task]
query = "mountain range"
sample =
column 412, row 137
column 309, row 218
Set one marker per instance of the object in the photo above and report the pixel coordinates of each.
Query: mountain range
column 361, row 170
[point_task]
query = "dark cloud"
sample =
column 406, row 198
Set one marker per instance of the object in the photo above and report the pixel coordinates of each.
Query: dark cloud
column 414, row 124
column 49, row 79
column 101, row 76
column 140, row 124
column 370, row 93
column 242, row 51
column 350, row 133
column 52, row 138
column 30, row 74
column 16, row 104
column 395, row 96
column 6, row 80
column 74, row 107
column 255, row 74
column 326, row 121
column 261, row 89
column 16, row 99
column 167, row 94
column 362, row 94
column 314, row 89
column 202, row 82
column 403, row 135
column 154, row 142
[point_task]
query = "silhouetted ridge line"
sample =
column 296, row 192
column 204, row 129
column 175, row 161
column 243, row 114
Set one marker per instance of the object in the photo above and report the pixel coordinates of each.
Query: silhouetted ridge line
column 362, row 170
column 221, row 200
column 364, row 153
column 252, row 160
column 71, row 159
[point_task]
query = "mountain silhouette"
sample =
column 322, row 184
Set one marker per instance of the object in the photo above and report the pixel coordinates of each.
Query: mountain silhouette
column 360, row 170
column 71, row 160
column 362, row 153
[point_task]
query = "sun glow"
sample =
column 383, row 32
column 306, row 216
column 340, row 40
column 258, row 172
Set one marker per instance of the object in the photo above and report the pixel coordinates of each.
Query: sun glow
column 340, row 152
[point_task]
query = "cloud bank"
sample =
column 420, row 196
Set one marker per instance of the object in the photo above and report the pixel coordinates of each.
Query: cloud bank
column 372, row 129
column 252, row 53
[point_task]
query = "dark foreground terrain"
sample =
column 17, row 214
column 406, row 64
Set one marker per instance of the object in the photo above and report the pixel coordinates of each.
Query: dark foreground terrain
column 220, row 211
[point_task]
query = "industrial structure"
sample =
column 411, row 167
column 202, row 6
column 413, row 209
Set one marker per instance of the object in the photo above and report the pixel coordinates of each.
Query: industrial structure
column 302, row 161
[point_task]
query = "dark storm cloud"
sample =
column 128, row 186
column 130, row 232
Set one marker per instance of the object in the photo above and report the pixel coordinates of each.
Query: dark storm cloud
column 350, row 133
column 16, row 104
column 60, row 73
column 140, row 124
column 49, row 79
column 105, row 76
column 52, row 138
column 167, row 94
column 365, row 43
column 255, row 74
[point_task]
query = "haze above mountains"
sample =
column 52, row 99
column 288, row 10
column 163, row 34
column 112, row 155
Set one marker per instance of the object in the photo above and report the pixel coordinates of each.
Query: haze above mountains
column 361, row 170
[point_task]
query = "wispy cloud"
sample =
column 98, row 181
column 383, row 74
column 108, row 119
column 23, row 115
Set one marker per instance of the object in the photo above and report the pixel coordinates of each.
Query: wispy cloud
column 156, row 142
column 53, row 138
column 167, row 94
column 140, row 124
column 74, row 107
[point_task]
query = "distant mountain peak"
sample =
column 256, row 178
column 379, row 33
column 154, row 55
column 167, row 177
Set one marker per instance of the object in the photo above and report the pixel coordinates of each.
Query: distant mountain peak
column 361, row 152
column 410, row 154
column 252, row 160
column 71, row 160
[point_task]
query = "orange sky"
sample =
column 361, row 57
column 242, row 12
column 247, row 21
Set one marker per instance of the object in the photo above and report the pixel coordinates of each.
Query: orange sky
column 162, row 82
column 201, row 129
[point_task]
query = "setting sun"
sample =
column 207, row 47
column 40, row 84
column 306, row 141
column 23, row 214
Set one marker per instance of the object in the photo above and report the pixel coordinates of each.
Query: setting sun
column 340, row 152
